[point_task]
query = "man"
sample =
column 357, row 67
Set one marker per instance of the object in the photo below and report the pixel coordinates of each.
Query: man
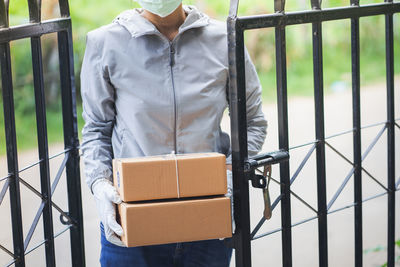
column 155, row 81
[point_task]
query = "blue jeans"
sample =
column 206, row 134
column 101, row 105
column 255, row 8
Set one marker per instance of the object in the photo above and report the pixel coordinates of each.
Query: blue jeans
column 209, row 253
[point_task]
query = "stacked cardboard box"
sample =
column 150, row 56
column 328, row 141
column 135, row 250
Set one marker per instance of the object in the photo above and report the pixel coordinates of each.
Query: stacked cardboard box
column 173, row 198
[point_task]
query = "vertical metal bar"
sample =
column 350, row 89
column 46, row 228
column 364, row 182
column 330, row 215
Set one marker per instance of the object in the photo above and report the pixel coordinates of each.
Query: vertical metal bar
column 320, row 136
column 237, row 100
column 4, row 8
column 12, row 157
column 35, row 7
column 71, row 141
column 391, row 138
column 64, row 8
column 355, row 71
column 37, row 67
column 281, row 80
column 233, row 8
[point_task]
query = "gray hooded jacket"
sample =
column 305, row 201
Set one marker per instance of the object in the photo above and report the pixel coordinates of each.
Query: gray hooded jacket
column 145, row 95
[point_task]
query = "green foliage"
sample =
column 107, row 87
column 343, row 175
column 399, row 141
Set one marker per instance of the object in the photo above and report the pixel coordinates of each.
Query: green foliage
column 378, row 248
column 89, row 14
column 381, row 248
column 27, row 131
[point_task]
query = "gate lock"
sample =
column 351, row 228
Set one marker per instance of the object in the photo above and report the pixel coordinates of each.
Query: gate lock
column 262, row 180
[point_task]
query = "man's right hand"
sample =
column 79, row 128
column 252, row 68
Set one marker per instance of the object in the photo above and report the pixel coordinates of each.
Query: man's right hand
column 106, row 196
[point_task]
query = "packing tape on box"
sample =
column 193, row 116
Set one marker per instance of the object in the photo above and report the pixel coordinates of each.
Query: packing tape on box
column 177, row 173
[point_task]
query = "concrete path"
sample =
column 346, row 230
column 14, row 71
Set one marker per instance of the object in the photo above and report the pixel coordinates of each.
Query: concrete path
column 266, row 251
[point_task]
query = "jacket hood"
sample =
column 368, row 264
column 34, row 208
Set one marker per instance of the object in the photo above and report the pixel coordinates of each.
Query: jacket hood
column 137, row 25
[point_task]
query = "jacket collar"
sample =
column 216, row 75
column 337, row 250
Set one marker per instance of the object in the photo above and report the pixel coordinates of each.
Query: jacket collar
column 137, row 25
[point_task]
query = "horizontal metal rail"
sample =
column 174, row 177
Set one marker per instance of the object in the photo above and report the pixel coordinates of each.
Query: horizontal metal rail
column 341, row 187
column 41, row 243
column 34, row 29
column 315, row 217
column 38, row 162
column 310, row 16
column 343, row 133
column 266, row 159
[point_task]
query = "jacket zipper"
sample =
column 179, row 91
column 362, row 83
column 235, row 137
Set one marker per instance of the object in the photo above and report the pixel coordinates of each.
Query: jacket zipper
column 171, row 64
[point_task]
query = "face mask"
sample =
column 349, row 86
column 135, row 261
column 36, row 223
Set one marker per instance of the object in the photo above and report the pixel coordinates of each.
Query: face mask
column 161, row 8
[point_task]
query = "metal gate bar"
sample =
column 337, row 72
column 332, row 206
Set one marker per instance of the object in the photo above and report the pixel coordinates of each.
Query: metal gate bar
column 279, row 20
column 284, row 168
column 390, row 135
column 37, row 67
column 43, row 149
column 11, row 145
column 320, row 137
column 71, row 141
column 237, row 99
column 11, row 142
column 355, row 76
column 73, row 218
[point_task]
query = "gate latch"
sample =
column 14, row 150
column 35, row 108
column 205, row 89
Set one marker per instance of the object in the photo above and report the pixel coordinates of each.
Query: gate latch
column 266, row 159
column 262, row 181
column 263, row 160
column 258, row 180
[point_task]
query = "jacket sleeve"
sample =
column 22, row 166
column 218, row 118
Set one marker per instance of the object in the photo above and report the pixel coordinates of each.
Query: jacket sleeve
column 256, row 122
column 98, row 113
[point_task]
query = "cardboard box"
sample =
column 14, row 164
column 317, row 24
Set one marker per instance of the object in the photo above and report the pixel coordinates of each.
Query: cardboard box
column 166, row 222
column 170, row 176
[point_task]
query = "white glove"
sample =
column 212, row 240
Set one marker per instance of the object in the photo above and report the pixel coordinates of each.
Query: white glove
column 230, row 194
column 229, row 184
column 105, row 196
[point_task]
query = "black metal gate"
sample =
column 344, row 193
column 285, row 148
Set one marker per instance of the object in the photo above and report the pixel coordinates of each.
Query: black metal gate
column 73, row 217
column 244, row 168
